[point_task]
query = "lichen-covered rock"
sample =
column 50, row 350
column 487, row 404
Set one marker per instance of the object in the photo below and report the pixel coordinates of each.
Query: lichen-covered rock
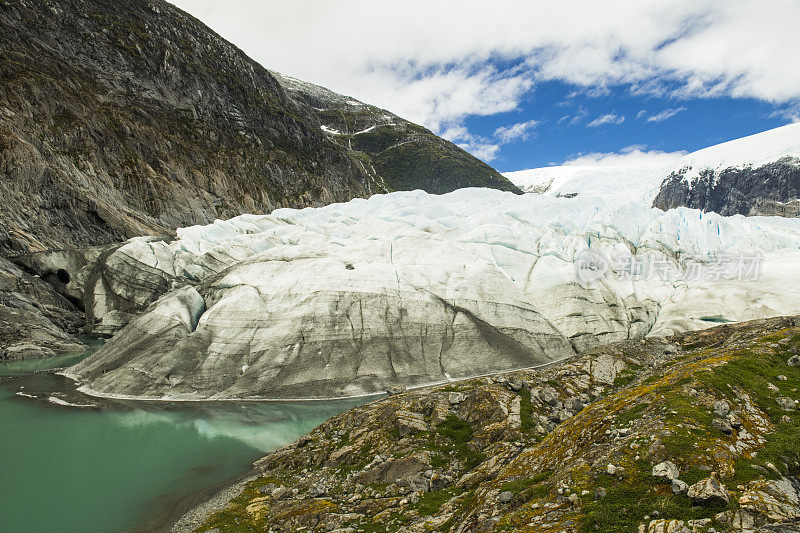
column 722, row 425
column 667, row 526
column 709, row 491
column 776, row 500
column 679, row 487
column 666, row 470
column 787, row 404
column 738, row 519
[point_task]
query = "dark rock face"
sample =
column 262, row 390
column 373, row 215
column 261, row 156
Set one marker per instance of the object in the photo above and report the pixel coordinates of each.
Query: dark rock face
column 34, row 319
column 771, row 189
column 400, row 155
column 127, row 118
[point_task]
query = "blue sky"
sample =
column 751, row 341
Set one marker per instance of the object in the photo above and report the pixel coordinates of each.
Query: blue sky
column 529, row 83
column 562, row 131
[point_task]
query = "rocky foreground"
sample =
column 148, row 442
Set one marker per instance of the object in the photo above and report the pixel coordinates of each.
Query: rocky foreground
column 695, row 432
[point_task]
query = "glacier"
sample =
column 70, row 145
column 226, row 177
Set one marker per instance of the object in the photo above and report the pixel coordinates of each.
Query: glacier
column 409, row 288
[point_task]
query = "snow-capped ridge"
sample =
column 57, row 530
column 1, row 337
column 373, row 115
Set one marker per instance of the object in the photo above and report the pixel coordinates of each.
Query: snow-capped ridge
column 641, row 183
column 751, row 151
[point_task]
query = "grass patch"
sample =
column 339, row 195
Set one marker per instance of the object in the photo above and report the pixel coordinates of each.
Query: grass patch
column 430, row 502
column 456, row 434
column 525, row 410
column 624, row 378
column 627, row 502
column 631, row 414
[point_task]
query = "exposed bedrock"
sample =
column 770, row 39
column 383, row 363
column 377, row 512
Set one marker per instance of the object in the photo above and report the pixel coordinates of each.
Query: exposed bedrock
column 35, row 321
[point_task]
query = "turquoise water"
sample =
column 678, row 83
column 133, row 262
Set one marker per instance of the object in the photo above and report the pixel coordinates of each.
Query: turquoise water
column 125, row 466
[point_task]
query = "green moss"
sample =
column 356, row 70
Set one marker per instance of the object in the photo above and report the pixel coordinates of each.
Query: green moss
column 456, row 434
column 525, row 410
column 529, row 488
column 627, row 502
column 631, row 414
column 430, row 502
column 455, row 429
column 624, row 378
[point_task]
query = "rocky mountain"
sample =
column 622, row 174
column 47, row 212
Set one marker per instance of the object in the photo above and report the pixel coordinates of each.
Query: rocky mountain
column 397, row 153
column 692, row 433
column 410, row 288
column 133, row 118
column 755, row 175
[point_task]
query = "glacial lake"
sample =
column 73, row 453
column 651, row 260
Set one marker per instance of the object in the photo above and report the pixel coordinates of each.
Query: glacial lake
column 124, row 466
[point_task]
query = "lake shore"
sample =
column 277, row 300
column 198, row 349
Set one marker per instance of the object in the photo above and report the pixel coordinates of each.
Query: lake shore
column 193, row 510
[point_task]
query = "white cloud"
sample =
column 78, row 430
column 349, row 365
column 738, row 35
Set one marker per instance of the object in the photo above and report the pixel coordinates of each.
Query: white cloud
column 632, row 156
column 479, row 146
column 608, row 118
column 518, row 131
column 484, row 151
column 663, row 115
column 400, row 56
column 790, row 113
column 578, row 117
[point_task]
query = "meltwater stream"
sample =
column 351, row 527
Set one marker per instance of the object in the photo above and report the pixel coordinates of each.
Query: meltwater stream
column 123, row 466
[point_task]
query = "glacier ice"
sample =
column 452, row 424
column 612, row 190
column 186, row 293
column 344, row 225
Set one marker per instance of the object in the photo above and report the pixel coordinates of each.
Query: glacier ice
column 410, row 288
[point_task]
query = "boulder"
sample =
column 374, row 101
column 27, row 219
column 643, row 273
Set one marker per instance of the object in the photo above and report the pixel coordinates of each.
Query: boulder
column 794, row 360
column 738, row 519
column 722, row 425
column 548, row 395
column 573, row 405
column 787, row 404
column 709, row 492
column 666, row 470
column 722, row 408
column 667, row 526
column 679, row 487
column 456, row 398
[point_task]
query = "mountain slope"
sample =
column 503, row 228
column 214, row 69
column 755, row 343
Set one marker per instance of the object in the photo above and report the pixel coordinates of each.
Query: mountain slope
column 126, row 118
column 402, row 155
column 591, row 444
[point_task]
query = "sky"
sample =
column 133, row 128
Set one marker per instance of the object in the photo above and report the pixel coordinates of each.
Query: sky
column 528, row 83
